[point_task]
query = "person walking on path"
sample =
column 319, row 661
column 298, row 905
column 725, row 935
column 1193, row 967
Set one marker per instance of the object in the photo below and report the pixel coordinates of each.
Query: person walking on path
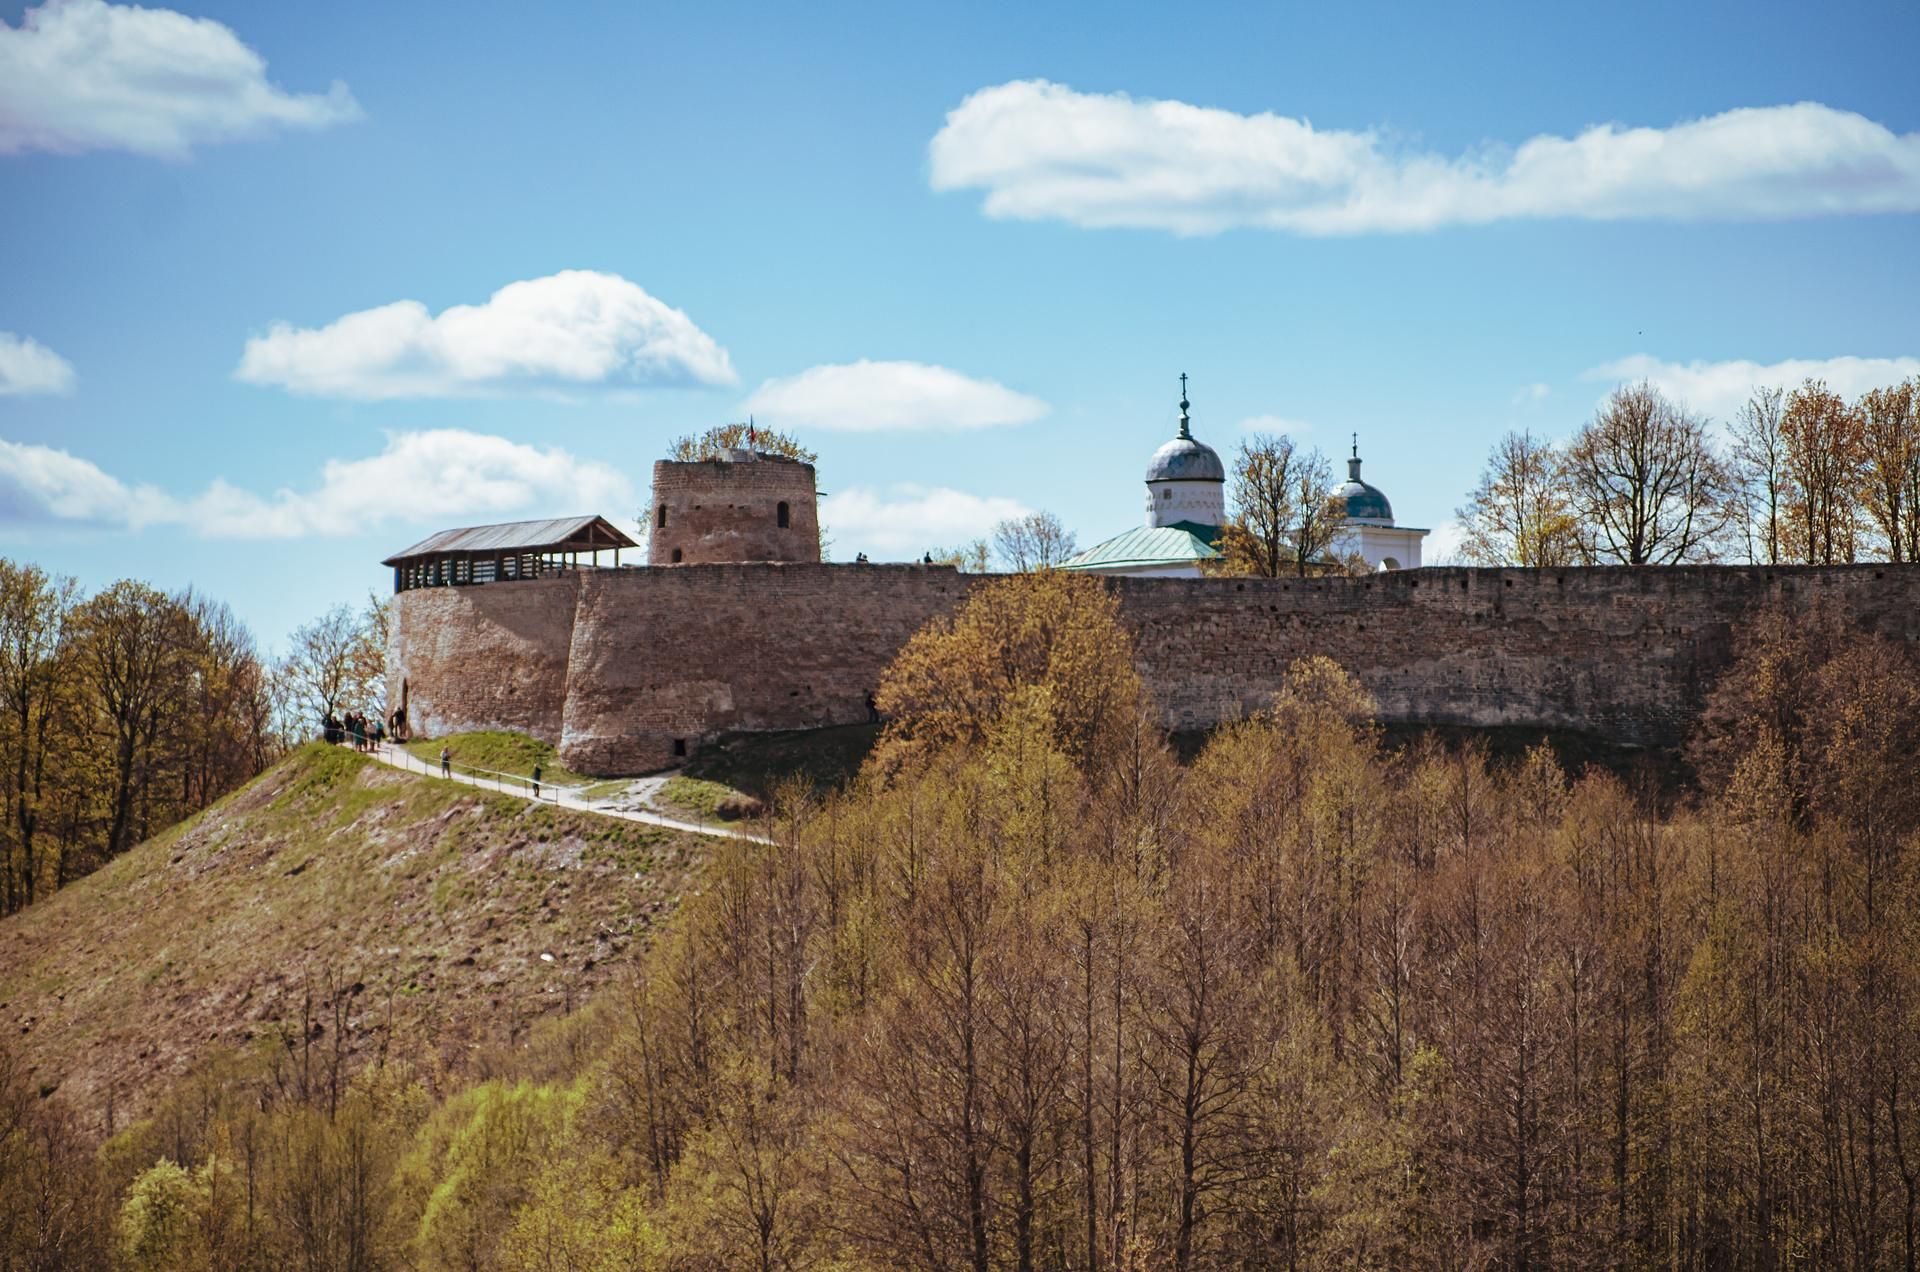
column 446, row 762
column 536, row 781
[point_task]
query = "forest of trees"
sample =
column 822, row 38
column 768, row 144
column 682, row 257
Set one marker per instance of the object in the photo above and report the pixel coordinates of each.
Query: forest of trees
column 1805, row 477
column 1032, row 995
column 122, row 712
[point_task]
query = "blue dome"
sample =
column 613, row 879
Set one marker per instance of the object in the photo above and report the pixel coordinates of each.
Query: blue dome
column 1363, row 502
column 1184, row 459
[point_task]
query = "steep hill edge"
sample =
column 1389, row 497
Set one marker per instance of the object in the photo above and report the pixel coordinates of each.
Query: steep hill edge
column 425, row 907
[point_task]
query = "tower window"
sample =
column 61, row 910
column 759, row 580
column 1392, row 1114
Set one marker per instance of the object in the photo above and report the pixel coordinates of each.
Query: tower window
column 1165, row 494
column 785, row 518
column 662, row 522
column 676, row 556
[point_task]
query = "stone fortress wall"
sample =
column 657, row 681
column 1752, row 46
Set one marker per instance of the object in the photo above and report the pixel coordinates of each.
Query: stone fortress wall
column 625, row 670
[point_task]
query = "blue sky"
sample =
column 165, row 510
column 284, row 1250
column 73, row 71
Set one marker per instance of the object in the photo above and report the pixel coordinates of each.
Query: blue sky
column 1025, row 221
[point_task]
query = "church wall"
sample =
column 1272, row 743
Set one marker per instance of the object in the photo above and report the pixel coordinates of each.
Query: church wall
column 663, row 655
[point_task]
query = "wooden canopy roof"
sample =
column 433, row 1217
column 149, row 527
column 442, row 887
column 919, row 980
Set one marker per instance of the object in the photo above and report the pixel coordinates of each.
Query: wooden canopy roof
column 564, row 534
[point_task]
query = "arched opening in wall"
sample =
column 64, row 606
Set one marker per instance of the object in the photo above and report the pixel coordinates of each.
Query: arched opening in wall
column 784, row 517
column 662, row 520
column 679, row 748
column 1388, row 563
column 676, row 556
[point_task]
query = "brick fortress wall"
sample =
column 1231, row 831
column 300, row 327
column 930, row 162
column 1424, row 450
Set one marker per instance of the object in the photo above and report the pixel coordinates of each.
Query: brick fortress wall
column 616, row 666
column 727, row 510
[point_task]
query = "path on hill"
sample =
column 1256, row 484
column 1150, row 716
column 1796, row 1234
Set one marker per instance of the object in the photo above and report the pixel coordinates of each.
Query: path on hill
column 399, row 757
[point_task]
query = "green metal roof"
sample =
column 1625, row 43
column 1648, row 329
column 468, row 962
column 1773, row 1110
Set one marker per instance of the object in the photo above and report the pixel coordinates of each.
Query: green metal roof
column 1148, row 545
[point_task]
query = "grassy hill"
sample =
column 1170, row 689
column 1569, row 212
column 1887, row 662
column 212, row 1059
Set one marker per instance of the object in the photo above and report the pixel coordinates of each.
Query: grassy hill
column 419, row 912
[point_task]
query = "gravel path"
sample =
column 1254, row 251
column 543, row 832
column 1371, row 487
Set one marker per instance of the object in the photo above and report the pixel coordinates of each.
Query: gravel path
column 627, row 805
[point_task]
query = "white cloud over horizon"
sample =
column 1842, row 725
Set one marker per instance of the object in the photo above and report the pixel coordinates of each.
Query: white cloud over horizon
column 433, row 476
column 29, row 367
column 80, row 75
column 574, row 330
column 906, row 520
column 1043, row 151
column 1720, row 389
column 865, row 396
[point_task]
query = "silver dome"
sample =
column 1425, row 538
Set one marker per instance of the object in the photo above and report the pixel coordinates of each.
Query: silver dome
column 1184, row 459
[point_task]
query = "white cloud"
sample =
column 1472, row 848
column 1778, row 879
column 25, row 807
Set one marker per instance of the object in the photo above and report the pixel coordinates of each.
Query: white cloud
column 1042, row 151
column 1273, row 424
column 572, row 330
column 907, row 520
column 85, row 75
column 1531, row 394
column 442, row 475
column 1442, row 545
column 1719, row 389
column 867, row 396
column 27, row 366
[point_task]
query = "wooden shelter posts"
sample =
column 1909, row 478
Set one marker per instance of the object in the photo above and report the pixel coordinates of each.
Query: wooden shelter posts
column 501, row 553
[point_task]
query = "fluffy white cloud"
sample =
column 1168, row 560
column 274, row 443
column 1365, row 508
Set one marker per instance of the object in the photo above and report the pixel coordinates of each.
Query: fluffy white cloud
column 1720, row 389
column 1273, row 424
column 906, row 520
column 1042, row 151
column 27, row 366
column 1442, row 545
column 871, row 396
column 573, row 330
column 85, row 75
column 443, row 475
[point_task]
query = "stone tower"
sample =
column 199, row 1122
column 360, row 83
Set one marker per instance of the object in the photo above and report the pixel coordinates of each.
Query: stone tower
column 747, row 506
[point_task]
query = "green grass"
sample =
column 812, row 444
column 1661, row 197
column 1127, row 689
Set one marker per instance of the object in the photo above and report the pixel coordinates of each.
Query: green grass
column 502, row 752
column 691, row 796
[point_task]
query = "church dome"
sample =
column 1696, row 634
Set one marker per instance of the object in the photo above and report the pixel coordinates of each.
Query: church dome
column 1361, row 501
column 1184, row 459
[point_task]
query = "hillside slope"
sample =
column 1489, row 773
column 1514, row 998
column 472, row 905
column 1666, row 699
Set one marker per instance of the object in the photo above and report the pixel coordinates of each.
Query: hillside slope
column 433, row 915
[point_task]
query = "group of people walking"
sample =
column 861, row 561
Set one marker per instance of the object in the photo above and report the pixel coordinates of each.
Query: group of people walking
column 365, row 734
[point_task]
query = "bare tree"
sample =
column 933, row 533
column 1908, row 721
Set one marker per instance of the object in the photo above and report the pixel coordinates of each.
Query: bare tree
column 1824, row 438
column 1036, row 541
column 1258, row 538
column 34, row 657
column 1520, row 513
column 1760, row 472
column 974, row 557
column 1891, row 436
column 133, row 641
column 1644, row 483
column 338, row 660
column 1316, row 514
